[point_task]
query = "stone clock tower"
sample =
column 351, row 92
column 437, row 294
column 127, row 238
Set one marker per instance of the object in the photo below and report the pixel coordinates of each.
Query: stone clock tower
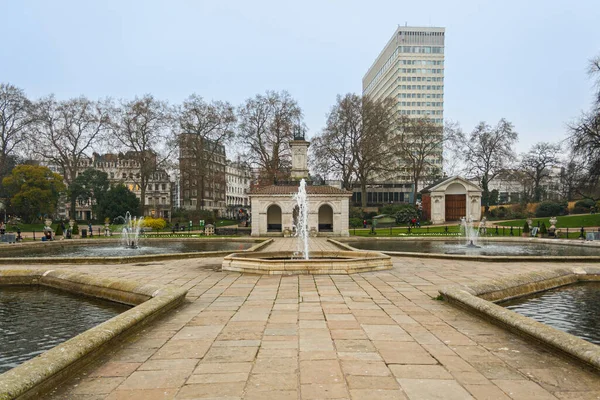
column 299, row 155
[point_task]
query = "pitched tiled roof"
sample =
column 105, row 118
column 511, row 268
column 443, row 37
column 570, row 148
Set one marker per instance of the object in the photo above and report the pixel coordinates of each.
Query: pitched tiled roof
column 290, row 190
column 430, row 188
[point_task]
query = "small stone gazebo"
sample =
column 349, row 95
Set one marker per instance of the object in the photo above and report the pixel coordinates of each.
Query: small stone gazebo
column 450, row 200
column 274, row 211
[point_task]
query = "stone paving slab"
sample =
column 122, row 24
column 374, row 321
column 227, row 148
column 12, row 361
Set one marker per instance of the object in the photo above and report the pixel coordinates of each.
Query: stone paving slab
column 378, row 335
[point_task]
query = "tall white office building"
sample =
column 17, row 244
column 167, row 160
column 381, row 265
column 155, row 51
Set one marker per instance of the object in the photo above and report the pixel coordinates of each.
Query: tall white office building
column 410, row 69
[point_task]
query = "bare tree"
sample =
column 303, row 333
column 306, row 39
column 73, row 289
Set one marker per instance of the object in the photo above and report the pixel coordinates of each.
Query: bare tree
column 536, row 165
column 143, row 127
column 594, row 73
column 15, row 122
column 487, row 151
column 373, row 152
column 452, row 161
column 584, row 140
column 205, row 129
column 333, row 150
column 419, row 144
column 571, row 173
column 266, row 126
column 65, row 133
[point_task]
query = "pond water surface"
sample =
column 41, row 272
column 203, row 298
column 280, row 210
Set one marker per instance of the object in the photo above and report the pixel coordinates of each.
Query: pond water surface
column 34, row 319
column 95, row 249
column 485, row 248
column 574, row 309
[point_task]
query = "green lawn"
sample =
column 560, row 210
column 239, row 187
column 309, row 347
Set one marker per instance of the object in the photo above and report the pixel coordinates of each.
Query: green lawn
column 567, row 221
column 26, row 227
column 225, row 222
column 453, row 231
column 395, row 231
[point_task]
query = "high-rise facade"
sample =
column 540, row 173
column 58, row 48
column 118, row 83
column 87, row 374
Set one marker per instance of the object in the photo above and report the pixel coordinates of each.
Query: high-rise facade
column 410, row 69
column 202, row 174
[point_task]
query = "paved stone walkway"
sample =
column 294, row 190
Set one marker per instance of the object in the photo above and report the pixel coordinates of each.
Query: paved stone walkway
column 376, row 335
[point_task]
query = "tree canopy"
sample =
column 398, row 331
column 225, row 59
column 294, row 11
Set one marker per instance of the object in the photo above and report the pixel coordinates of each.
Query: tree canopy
column 144, row 127
column 116, row 202
column 419, row 144
column 34, row 191
column 266, row 126
column 487, row 151
column 90, row 186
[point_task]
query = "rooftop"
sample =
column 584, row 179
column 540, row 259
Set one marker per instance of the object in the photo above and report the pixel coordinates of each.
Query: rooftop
column 292, row 189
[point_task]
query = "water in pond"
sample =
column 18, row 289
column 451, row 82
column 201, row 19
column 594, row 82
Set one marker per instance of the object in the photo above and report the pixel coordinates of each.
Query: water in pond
column 34, row 319
column 573, row 309
column 117, row 250
column 485, row 249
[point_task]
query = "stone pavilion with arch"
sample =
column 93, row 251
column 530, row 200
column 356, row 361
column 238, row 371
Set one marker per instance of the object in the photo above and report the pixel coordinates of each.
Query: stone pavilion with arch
column 450, row 200
column 274, row 210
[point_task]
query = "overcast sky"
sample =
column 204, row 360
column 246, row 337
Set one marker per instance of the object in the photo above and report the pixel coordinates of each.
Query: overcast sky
column 523, row 60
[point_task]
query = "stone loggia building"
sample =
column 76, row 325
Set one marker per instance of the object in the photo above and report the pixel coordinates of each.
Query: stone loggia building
column 274, row 210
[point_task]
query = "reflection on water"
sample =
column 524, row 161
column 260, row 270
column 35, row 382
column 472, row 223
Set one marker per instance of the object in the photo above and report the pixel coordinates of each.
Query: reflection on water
column 117, row 250
column 485, row 249
column 34, row 319
column 573, row 309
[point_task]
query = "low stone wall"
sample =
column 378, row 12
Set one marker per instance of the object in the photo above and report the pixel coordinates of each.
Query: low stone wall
column 38, row 375
column 319, row 262
column 479, row 299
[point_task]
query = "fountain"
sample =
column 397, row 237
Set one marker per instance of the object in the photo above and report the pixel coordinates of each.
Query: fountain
column 300, row 261
column 470, row 233
column 130, row 235
column 302, row 221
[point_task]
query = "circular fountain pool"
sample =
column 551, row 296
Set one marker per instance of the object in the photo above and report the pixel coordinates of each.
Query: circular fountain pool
column 319, row 262
column 526, row 249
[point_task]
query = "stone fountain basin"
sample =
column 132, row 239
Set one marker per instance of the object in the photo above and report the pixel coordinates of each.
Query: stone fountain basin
column 319, row 262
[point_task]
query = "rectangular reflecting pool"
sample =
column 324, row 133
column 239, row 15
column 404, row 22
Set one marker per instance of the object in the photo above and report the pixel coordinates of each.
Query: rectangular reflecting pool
column 34, row 319
column 574, row 309
column 485, row 248
column 112, row 249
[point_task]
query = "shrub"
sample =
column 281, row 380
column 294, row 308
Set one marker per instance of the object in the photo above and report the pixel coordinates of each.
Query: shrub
column 356, row 223
column 356, row 212
column 58, row 231
column 583, row 206
column 405, row 214
column 518, row 211
column 155, row 223
column 75, row 229
column 543, row 229
column 525, row 227
column 392, row 209
column 551, row 208
column 498, row 213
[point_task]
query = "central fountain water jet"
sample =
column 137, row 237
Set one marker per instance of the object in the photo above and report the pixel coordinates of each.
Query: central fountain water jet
column 302, row 221
column 130, row 235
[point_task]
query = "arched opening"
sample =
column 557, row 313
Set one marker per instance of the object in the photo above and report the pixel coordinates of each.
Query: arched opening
column 325, row 218
column 456, row 202
column 274, row 218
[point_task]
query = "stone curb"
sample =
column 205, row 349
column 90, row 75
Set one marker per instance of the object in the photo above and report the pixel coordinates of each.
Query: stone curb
column 320, row 262
column 475, row 299
column 38, row 375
